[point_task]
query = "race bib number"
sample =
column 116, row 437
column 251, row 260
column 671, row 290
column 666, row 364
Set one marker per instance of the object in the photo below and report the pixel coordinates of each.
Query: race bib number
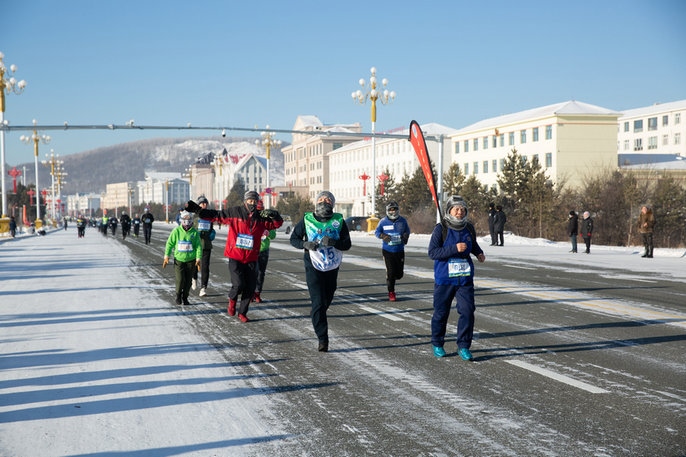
column 326, row 258
column 184, row 246
column 459, row 267
column 244, row 241
column 204, row 225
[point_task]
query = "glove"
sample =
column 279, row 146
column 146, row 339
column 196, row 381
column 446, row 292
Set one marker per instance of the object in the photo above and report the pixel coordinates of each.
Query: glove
column 191, row 206
column 326, row 241
column 405, row 238
column 165, row 261
column 269, row 213
column 310, row 245
column 386, row 238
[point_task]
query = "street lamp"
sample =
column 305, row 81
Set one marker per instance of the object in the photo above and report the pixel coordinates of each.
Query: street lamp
column 60, row 174
column 9, row 85
column 364, row 177
column 268, row 142
column 360, row 96
column 36, row 139
column 52, row 161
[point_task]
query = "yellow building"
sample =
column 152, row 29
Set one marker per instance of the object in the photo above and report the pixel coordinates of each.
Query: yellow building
column 572, row 140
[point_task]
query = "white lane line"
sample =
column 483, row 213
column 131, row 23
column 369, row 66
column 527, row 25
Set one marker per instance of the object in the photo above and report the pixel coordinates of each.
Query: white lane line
column 392, row 317
column 558, row 377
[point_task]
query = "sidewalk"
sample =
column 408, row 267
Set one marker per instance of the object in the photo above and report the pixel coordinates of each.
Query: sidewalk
column 93, row 362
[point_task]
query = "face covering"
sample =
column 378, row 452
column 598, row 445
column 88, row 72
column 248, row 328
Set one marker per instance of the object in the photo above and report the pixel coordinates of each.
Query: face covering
column 186, row 223
column 324, row 210
column 251, row 208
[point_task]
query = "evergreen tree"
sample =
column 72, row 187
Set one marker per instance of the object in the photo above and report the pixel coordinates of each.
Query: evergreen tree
column 235, row 197
column 453, row 180
column 669, row 209
column 294, row 206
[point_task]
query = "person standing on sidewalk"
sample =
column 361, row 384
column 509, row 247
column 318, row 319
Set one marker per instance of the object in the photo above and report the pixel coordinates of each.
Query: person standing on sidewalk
column 499, row 225
column 491, row 223
column 587, row 230
column 245, row 228
column 322, row 235
column 395, row 232
column 573, row 229
column 646, row 224
column 207, row 234
column 184, row 242
column 452, row 244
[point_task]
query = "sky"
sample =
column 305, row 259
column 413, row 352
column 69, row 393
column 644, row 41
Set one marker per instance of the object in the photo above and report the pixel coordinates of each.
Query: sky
column 247, row 65
column 106, row 368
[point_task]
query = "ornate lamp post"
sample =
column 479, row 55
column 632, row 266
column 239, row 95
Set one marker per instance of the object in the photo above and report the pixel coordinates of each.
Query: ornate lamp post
column 14, row 173
column 7, row 85
column 364, row 177
column 36, row 139
column 360, row 96
column 383, row 177
column 52, row 161
column 268, row 142
column 60, row 174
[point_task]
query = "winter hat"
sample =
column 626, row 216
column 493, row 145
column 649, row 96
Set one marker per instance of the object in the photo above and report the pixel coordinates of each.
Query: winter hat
column 251, row 194
column 587, row 214
column 455, row 200
column 203, row 199
column 572, row 213
column 327, row 194
column 185, row 215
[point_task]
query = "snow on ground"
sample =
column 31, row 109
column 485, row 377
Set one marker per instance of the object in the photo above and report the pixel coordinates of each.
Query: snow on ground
column 126, row 375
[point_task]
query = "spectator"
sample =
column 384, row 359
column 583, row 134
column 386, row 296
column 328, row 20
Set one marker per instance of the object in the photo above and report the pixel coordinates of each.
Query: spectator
column 646, row 223
column 499, row 225
column 573, row 228
column 587, row 230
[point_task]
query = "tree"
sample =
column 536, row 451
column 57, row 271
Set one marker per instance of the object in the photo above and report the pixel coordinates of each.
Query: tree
column 453, row 180
column 235, row 197
column 390, row 193
column 669, row 207
column 294, row 206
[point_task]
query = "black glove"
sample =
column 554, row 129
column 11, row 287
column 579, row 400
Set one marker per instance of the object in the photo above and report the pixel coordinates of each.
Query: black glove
column 386, row 238
column 269, row 213
column 310, row 245
column 326, row 241
column 191, row 206
column 405, row 238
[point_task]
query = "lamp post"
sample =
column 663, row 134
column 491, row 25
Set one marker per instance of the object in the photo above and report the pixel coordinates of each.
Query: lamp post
column 60, row 174
column 9, row 85
column 364, row 177
column 268, row 142
column 52, row 161
column 36, row 139
column 383, row 177
column 361, row 96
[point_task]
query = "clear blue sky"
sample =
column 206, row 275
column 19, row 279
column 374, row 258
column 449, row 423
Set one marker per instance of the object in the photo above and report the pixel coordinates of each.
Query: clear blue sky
column 253, row 63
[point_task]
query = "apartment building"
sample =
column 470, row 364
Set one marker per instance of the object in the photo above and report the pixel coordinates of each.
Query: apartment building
column 395, row 155
column 306, row 160
column 572, row 140
column 652, row 134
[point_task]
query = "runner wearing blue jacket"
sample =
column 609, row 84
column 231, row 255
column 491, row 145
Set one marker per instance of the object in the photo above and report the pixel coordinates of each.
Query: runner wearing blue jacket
column 395, row 232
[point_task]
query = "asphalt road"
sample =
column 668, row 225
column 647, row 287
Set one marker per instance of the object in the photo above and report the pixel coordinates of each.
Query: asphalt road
column 569, row 361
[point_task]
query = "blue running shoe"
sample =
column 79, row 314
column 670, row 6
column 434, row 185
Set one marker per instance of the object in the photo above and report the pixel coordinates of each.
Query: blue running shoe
column 465, row 354
column 439, row 351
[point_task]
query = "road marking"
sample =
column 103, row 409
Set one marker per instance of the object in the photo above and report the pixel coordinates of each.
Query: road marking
column 558, row 377
column 392, row 317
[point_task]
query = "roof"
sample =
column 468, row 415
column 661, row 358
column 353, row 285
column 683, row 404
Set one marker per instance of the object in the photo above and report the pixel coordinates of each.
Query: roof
column 568, row 108
column 676, row 165
column 655, row 109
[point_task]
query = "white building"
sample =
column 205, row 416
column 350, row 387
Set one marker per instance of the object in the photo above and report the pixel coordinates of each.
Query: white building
column 163, row 188
column 572, row 140
column 651, row 133
column 248, row 168
column 349, row 162
column 83, row 204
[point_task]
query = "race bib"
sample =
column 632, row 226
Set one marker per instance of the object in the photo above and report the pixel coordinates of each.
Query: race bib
column 326, row 258
column 204, row 225
column 184, row 246
column 459, row 267
column 244, row 241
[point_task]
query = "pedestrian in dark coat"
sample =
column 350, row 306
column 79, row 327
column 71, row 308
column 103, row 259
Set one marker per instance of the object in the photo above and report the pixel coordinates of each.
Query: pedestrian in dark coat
column 491, row 223
column 587, row 230
column 499, row 225
column 573, row 229
column 646, row 223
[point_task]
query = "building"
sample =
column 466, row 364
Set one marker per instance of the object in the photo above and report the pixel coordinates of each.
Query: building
column 349, row 163
column 118, row 195
column 572, row 140
column 83, row 204
column 247, row 168
column 306, row 159
column 652, row 134
column 162, row 188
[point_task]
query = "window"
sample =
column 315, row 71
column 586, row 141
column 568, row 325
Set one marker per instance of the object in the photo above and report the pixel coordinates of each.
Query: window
column 457, row 147
column 536, row 158
column 652, row 123
column 476, row 144
column 485, row 165
column 548, row 159
column 626, row 126
column 652, row 142
column 535, row 133
column 494, row 164
column 677, row 138
column 485, row 142
column 495, row 141
column 677, row 118
column 502, row 139
column 502, row 164
column 511, row 139
column 522, row 136
column 665, row 140
column 548, row 132
column 466, row 169
column 638, row 126
column 466, row 145
column 665, row 120
column 638, row 144
column 476, row 168
column 627, row 145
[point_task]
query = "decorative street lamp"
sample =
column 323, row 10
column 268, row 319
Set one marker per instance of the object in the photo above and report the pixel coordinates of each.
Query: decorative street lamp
column 36, row 139
column 60, row 174
column 52, row 161
column 370, row 92
column 268, row 142
column 364, row 177
column 383, row 177
column 9, row 85
column 14, row 173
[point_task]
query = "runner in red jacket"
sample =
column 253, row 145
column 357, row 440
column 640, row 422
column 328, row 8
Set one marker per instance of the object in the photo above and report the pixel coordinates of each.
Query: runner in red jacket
column 246, row 225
